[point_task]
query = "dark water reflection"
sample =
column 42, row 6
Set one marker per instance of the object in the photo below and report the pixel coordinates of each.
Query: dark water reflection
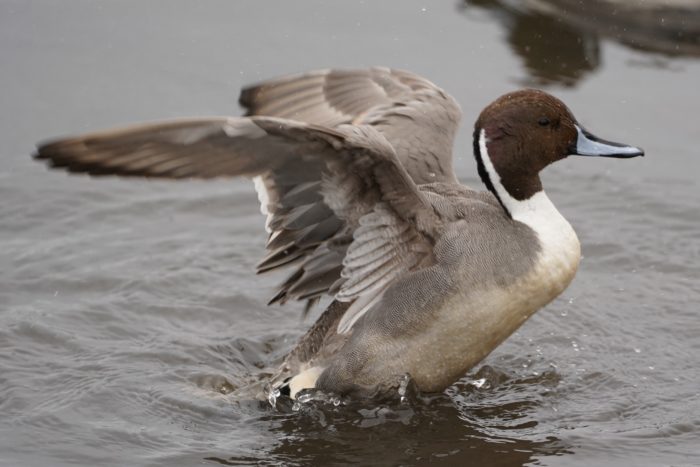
column 463, row 427
column 559, row 40
column 552, row 50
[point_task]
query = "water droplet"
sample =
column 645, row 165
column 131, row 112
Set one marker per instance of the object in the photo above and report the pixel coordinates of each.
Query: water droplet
column 478, row 383
column 304, row 398
column 272, row 395
column 403, row 387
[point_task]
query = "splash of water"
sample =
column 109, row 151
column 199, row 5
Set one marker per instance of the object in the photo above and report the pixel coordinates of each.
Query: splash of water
column 272, row 395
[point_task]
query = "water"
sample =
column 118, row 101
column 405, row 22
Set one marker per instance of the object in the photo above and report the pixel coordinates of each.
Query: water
column 129, row 312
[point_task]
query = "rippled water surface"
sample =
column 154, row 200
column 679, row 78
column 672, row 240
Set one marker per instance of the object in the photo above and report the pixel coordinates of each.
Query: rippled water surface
column 129, row 312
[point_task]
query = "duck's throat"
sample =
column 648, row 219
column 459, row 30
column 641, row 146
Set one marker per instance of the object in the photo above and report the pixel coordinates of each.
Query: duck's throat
column 514, row 186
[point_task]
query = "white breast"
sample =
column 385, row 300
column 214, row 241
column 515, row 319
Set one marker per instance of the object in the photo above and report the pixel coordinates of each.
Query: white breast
column 561, row 250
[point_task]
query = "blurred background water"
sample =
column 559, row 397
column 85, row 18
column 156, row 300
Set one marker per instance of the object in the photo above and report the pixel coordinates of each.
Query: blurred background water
column 129, row 310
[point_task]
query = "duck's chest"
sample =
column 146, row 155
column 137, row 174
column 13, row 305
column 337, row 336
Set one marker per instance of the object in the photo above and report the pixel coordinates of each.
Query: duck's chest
column 527, row 260
column 558, row 257
column 553, row 266
column 477, row 318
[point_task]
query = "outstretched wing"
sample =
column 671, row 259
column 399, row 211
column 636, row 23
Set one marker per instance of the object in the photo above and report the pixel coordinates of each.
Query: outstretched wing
column 389, row 222
column 187, row 148
column 418, row 119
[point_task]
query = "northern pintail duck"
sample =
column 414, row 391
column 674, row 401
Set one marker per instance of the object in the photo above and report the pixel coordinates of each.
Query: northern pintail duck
column 354, row 172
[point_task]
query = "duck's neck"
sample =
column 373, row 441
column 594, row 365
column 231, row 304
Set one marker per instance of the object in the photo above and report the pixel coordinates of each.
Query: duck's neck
column 519, row 193
column 522, row 197
column 508, row 191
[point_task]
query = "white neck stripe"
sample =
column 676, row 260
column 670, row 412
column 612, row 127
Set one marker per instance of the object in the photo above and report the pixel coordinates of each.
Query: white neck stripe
column 495, row 179
column 531, row 211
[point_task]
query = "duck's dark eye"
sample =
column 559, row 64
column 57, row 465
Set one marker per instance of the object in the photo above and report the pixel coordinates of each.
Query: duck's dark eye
column 544, row 121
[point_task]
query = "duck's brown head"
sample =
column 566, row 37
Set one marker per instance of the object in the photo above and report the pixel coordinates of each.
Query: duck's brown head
column 522, row 132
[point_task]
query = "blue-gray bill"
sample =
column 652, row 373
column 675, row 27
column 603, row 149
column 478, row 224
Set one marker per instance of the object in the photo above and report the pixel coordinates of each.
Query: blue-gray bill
column 588, row 144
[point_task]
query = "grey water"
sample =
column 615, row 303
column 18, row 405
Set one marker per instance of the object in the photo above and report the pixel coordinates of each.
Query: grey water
column 129, row 311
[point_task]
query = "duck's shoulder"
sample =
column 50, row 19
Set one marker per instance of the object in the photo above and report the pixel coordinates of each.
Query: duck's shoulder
column 453, row 201
column 478, row 238
column 476, row 217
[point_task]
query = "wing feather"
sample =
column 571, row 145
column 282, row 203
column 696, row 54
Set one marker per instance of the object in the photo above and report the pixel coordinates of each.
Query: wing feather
column 316, row 185
column 378, row 200
column 417, row 117
column 410, row 111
